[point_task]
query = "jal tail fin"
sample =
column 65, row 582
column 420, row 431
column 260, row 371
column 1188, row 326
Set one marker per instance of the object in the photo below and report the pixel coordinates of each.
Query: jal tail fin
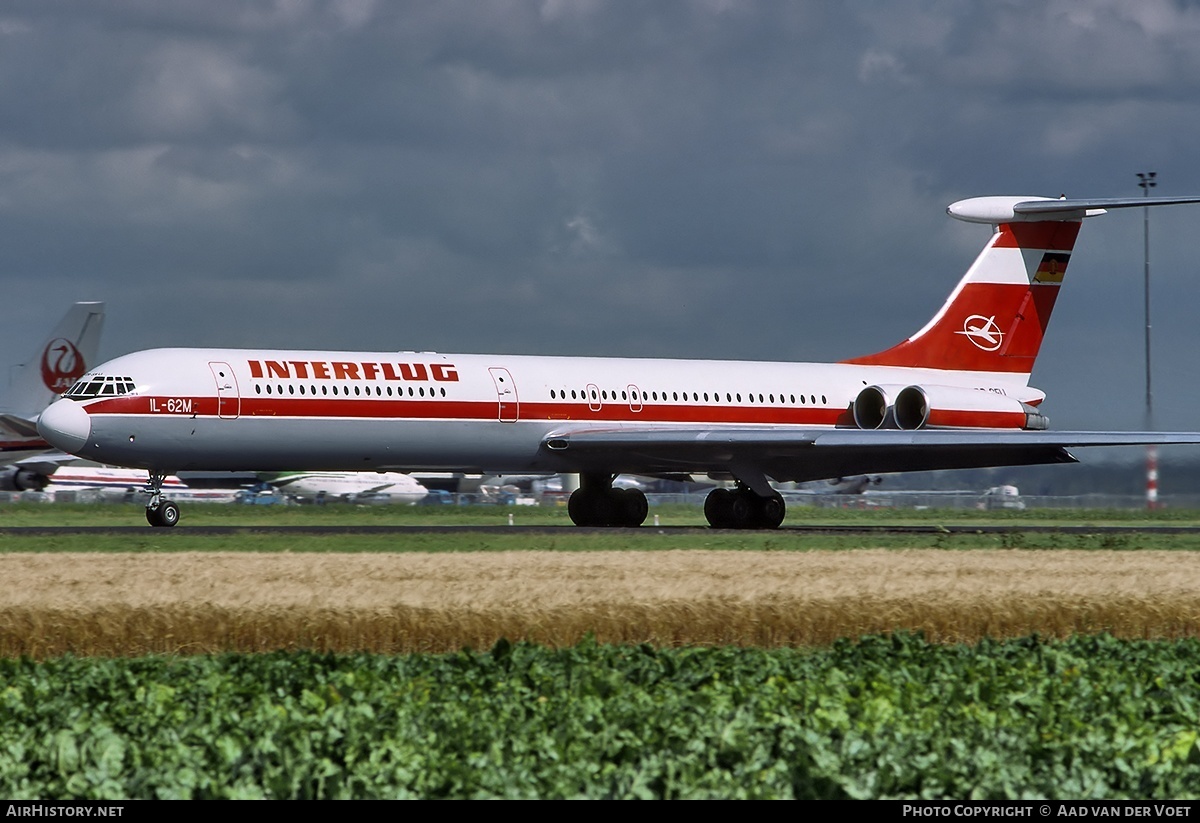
column 67, row 353
column 996, row 317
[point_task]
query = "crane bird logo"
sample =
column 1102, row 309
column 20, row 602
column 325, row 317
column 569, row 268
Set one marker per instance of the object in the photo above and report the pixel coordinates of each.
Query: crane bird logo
column 982, row 332
column 62, row 365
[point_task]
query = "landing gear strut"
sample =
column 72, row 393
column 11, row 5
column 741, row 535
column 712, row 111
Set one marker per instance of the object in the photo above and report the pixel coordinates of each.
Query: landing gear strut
column 160, row 513
column 597, row 503
column 741, row 508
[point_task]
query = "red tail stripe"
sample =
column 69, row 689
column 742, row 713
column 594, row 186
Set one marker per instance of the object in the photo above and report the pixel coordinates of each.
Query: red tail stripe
column 1045, row 236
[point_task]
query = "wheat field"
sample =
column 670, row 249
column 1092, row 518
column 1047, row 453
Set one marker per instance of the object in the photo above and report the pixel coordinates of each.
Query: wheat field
column 190, row 603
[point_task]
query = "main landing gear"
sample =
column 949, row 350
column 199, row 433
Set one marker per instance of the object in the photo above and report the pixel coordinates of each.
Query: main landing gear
column 742, row 508
column 597, row 503
column 159, row 512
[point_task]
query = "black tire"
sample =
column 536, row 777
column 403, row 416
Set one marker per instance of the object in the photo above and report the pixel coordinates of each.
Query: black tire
column 165, row 515
column 578, row 509
column 771, row 511
column 589, row 507
column 743, row 510
column 716, row 508
column 633, row 507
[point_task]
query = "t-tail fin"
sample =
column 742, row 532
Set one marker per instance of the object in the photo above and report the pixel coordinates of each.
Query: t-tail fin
column 995, row 318
column 67, row 353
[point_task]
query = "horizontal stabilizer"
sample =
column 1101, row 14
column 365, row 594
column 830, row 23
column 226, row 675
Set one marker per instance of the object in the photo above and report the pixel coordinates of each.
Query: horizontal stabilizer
column 996, row 210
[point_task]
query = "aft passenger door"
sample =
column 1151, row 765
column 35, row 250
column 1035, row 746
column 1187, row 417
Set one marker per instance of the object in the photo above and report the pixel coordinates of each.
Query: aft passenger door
column 229, row 401
column 506, row 394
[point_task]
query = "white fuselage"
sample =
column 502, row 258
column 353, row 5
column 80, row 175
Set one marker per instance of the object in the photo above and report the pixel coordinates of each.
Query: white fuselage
column 261, row 410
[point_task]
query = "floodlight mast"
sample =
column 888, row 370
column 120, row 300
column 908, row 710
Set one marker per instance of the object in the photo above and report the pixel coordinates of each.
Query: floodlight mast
column 1146, row 181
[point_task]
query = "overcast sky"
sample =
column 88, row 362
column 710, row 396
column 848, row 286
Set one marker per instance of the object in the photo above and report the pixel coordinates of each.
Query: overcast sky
column 759, row 180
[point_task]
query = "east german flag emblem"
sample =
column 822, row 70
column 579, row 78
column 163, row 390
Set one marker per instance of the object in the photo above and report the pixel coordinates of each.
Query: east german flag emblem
column 1052, row 267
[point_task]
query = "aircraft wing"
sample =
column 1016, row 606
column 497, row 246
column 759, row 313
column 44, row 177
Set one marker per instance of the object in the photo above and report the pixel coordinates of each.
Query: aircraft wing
column 789, row 454
column 13, row 426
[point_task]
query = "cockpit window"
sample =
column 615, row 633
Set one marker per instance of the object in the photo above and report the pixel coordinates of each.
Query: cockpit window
column 98, row 386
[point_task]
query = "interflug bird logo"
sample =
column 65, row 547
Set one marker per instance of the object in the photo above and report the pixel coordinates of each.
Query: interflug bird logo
column 982, row 332
column 62, row 365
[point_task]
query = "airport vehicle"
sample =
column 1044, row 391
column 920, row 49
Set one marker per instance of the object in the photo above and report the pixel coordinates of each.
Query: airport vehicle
column 955, row 394
column 379, row 487
column 26, row 459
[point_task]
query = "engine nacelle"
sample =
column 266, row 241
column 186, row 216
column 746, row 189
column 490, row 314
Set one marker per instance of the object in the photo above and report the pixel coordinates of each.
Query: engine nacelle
column 22, row 479
column 954, row 407
column 873, row 407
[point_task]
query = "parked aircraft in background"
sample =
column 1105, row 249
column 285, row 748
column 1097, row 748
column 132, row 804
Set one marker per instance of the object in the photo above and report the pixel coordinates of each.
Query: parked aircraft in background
column 26, row 459
column 955, row 394
column 111, row 483
column 382, row 487
column 854, row 485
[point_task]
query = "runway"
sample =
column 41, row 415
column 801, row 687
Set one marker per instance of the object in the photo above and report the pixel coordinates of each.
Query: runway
column 865, row 530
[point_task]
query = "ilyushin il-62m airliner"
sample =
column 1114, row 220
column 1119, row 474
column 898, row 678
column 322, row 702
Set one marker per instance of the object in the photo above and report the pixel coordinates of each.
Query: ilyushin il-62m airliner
column 955, row 394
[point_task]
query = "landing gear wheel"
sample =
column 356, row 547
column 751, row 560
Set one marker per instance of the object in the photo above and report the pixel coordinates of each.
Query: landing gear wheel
column 716, row 508
column 600, row 505
column 743, row 509
column 587, row 507
column 771, row 511
column 164, row 515
column 634, row 508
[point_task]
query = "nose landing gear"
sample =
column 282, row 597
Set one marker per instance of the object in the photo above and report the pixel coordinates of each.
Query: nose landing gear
column 160, row 513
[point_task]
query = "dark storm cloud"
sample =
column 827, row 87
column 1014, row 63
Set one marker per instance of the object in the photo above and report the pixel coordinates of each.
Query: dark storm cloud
column 754, row 180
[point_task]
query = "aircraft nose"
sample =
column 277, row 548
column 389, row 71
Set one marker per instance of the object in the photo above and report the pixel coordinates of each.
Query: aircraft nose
column 65, row 425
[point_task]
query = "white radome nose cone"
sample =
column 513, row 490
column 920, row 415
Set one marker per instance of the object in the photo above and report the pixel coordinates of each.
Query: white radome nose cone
column 65, row 425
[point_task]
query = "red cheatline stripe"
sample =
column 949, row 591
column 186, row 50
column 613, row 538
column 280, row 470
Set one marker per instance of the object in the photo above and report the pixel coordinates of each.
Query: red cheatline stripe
column 383, row 409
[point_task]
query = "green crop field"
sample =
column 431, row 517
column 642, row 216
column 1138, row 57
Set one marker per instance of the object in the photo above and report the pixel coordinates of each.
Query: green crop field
column 880, row 718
